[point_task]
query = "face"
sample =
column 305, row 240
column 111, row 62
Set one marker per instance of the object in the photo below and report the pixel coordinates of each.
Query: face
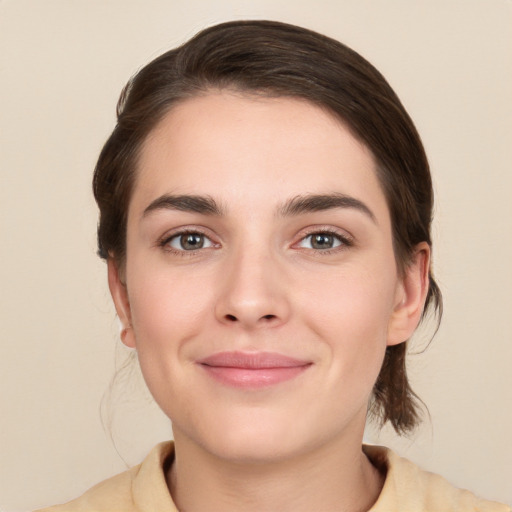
column 261, row 283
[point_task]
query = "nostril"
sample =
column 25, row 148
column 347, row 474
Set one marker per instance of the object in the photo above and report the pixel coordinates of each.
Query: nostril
column 233, row 318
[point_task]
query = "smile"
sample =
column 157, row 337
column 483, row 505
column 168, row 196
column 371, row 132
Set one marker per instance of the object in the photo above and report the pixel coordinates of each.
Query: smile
column 252, row 370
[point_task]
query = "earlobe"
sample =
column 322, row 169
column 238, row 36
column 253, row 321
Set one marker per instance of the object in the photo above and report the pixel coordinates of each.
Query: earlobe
column 410, row 297
column 121, row 302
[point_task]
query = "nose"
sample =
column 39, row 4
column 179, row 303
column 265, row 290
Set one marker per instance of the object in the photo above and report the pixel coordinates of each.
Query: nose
column 253, row 292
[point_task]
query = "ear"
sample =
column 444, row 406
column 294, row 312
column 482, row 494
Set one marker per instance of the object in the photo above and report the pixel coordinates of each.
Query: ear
column 120, row 297
column 410, row 296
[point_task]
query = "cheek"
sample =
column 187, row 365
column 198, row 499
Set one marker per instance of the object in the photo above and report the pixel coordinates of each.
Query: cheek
column 350, row 310
column 166, row 314
column 166, row 308
column 352, row 300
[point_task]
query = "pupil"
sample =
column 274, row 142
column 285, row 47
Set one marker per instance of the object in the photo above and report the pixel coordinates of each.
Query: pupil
column 192, row 241
column 322, row 241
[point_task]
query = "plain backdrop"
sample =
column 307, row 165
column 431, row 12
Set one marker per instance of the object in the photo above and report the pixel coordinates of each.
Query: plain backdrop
column 63, row 64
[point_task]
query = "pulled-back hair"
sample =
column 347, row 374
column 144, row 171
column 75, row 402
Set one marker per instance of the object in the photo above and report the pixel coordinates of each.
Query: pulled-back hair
column 276, row 59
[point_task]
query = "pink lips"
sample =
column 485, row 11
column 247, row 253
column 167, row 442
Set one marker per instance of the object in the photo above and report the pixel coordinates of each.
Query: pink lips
column 252, row 370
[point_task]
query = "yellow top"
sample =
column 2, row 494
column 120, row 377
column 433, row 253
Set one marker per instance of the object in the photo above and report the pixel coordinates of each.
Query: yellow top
column 407, row 488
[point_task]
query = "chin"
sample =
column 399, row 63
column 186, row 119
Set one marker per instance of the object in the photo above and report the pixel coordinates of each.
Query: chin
column 260, row 435
column 250, row 447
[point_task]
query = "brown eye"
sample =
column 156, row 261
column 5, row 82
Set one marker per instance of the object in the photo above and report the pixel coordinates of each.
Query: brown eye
column 189, row 242
column 322, row 241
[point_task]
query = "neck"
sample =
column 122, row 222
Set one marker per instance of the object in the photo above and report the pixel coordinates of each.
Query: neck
column 338, row 478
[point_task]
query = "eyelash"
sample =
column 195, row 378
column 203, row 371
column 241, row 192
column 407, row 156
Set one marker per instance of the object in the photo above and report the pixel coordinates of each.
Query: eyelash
column 164, row 242
column 345, row 241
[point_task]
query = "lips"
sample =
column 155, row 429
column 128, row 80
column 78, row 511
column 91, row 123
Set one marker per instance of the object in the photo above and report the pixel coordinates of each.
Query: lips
column 252, row 370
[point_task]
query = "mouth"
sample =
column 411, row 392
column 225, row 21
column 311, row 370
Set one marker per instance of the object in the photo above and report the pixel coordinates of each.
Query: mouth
column 252, row 370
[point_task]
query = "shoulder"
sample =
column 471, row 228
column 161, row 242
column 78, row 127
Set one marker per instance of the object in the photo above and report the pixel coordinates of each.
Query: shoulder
column 142, row 488
column 112, row 494
column 408, row 488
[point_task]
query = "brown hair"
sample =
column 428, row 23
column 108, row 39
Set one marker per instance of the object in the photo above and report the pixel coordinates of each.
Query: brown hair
column 277, row 59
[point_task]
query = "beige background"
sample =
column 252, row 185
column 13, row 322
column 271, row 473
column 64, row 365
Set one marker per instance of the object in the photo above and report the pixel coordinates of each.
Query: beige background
column 63, row 63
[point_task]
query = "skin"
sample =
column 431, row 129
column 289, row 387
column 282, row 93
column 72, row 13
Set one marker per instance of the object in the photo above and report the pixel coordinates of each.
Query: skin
column 259, row 284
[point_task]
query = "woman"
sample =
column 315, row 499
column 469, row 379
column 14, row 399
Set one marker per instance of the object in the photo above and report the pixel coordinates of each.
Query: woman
column 265, row 207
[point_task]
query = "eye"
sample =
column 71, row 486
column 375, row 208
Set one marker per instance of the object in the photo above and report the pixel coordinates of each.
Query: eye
column 188, row 241
column 323, row 241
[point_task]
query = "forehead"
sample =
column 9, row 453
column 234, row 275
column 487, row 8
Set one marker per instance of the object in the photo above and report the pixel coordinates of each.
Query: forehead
column 254, row 150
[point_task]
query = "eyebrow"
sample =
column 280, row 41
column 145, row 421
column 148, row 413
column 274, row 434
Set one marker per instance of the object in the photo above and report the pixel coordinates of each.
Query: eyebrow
column 186, row 203
column 321, row 202
column 298, row 205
